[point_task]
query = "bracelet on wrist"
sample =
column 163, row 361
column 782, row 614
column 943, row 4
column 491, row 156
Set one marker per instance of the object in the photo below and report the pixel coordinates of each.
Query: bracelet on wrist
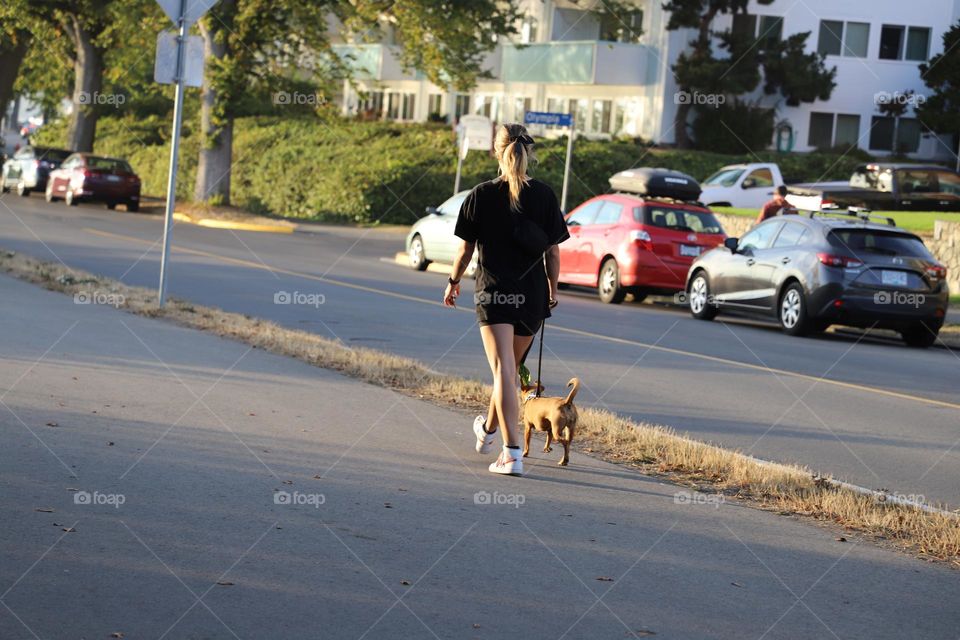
column 452, row 281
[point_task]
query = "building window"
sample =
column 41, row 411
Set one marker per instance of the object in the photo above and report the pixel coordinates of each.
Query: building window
column 602, row 110
column 520, row 108
column 393, row 106
column 488, row 106
column 408, row 106
column 371, row 107
column 528, row 30
column 918, row 43
column 820, row 135
column 848, row 130
column 884, row 128
column 752, row 27
column 462, row 106
column 625, row 26
column 435, row 105
column 891, row 42
column 579, row 110
column 848, row 39
column 556, row 105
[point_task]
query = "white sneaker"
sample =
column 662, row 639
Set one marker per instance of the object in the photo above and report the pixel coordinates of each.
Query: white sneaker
column 484, row 439
column 510, row 463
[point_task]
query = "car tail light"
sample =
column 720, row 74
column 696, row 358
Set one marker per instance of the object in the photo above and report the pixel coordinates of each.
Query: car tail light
column 832, row 260
column 936, row 272
column 642, row 238
column 826, row 203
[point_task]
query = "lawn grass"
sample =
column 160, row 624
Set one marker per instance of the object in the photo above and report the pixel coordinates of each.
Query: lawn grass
column 916, row 221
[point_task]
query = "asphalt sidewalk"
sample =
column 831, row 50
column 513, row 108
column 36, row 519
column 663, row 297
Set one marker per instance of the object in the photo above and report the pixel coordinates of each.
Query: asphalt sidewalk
column 159, row 482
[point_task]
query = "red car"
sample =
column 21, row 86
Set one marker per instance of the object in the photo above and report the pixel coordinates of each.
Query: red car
column 86, row 177
column 624, row 243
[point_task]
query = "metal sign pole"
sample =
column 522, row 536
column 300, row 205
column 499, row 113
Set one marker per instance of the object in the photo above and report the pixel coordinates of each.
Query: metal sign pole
column 566, row 166
column 174, row 155
column 461, row 148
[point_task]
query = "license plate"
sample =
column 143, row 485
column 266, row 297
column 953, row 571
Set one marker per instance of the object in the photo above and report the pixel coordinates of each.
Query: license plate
column 894, row 278
column 113, row 178
column 691, row 251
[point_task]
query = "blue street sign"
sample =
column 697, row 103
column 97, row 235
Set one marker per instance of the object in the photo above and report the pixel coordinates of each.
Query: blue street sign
column 548, row 118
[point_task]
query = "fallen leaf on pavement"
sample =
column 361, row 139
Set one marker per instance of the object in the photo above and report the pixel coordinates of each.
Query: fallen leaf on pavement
column 604, row 579
column 69, row 529
column 44, row 509
column 737, row 584
column 405, row 583
column 116, row 634
column 225, row 583
column 841, row 539
column 52, row 424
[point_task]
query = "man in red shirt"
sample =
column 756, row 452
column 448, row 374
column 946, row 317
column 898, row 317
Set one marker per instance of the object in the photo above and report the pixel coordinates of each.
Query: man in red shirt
column 779, row 203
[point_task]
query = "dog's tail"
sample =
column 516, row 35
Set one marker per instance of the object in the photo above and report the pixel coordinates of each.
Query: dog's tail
column 575, row 386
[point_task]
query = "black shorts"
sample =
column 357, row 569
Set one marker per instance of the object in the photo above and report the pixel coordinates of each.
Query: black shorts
column 520, row 327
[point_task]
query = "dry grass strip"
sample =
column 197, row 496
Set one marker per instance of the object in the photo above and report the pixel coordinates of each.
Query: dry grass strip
column 652, row 449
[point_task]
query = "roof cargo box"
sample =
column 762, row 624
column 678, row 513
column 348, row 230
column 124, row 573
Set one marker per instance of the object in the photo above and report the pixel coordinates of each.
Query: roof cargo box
column 656, row 183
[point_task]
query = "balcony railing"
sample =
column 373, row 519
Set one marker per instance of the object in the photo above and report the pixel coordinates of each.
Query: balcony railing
column 577, row 62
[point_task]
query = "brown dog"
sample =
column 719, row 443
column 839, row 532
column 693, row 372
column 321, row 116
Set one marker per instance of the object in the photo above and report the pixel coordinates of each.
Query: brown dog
column 556, row 416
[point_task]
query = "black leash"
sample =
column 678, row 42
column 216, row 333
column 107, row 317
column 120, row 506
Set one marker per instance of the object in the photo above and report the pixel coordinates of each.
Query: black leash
column 543, row 325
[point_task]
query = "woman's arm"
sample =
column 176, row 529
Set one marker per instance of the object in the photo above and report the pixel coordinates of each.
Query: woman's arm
column 553, row 269
column 460, row 264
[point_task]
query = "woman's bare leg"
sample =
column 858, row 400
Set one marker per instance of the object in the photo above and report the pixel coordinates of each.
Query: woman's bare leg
column 498, row 343
column 520, row 346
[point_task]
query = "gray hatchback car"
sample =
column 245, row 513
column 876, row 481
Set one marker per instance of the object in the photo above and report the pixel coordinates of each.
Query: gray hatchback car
column 814, row 270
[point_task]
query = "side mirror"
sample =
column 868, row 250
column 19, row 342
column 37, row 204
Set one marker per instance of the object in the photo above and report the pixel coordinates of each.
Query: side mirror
column 732, row 244
column 573, row 223
column 433, row 211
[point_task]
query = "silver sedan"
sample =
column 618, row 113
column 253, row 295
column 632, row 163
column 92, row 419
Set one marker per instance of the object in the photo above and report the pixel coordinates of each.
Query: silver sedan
column 431, row 237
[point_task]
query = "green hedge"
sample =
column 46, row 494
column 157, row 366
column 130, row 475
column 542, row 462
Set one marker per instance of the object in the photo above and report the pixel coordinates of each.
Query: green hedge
column 346, row 171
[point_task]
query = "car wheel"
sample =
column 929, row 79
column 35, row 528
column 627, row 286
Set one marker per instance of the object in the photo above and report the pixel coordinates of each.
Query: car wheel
column 563, row 286
column 920, row 335
column 699, row 298
column 609, row 286
column 71, row 199
column 416, row 254
column 111, row 205
column 793, row 311
column 48, row 194
column 133, row 207
column 22, row 190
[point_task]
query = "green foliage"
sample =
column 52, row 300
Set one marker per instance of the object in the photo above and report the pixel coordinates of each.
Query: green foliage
column 734, row 126
column 344, row 171
column 941, row 110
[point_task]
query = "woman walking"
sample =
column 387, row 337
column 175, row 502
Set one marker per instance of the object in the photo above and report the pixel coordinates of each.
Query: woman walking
column 516, row 224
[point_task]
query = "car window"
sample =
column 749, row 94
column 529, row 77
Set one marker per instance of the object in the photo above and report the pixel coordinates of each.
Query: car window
column 53, row 155
column 679, row 219
column 723, row 178
column 928, row 181
column 609, row 213
column 760, row 237
column 879, row 242
column 70, row 162
column 759, row 178
column 863, row 178
column 585, row 214
column 23, row 154
column 791, row 235
column 108, row 164
column 452, row 205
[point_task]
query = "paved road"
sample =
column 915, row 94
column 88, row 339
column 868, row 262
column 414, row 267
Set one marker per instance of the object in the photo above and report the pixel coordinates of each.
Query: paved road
column 182, row 440
column 868, row 411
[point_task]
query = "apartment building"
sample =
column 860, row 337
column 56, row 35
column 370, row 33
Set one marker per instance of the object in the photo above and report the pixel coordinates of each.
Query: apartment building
column 613, row 72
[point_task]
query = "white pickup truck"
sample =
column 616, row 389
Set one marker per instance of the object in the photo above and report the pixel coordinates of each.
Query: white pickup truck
column 746, row 186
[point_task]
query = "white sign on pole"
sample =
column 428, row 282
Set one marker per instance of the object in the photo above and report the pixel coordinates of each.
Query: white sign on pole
column 165, row 68
column 193, row 10
column 478, row 131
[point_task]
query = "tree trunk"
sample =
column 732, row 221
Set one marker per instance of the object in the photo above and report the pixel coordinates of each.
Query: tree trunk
column 10, row 60
column 87, row 84
column 216, row 151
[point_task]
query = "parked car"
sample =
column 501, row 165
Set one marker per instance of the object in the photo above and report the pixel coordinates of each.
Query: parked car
column 86, row 177
column 815, row 270
column 29, row 168
column 747, row 186
column 884, row 186
column 641, row 239
column 431, row 238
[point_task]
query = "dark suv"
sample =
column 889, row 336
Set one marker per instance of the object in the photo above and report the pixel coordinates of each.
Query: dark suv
column 813, row 270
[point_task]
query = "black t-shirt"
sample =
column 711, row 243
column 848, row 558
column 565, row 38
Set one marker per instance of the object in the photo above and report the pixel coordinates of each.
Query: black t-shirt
column 511, row 284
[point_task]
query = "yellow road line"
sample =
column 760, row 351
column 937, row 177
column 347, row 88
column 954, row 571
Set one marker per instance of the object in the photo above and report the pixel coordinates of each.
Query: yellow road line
column 554, row 327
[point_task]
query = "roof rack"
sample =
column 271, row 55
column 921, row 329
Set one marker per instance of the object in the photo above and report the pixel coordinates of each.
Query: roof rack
column 854, row 212
column 658, row 198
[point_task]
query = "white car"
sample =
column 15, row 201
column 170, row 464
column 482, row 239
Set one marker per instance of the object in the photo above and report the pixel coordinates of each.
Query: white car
column 745, row 186
column 431, row 238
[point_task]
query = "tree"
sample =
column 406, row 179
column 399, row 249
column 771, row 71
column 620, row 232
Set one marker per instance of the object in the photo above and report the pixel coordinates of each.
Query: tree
column 13, row 49
column 261, row 45
column 940, row 111
column 736, row 64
